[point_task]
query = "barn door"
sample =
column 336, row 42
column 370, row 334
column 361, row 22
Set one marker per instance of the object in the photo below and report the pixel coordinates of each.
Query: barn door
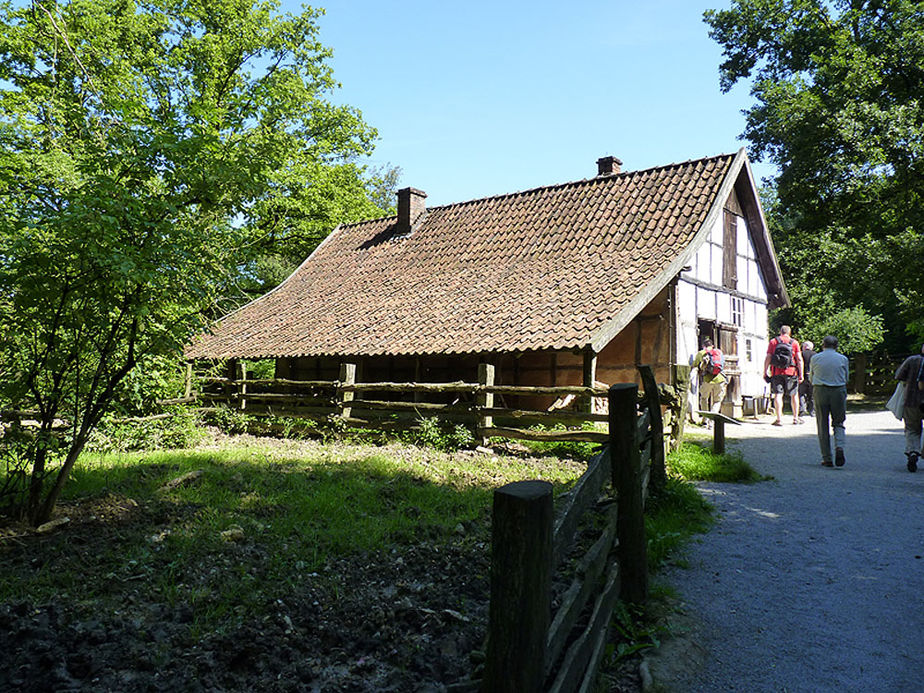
column 728, row 343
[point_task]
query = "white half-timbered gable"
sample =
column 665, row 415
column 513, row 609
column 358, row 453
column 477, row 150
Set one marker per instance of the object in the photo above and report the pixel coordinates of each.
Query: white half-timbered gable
column 723, row 294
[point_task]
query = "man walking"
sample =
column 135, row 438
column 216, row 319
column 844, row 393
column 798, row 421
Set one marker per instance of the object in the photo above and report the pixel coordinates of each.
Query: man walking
column 829, row 379
column 806, row 400
column 784, row 359
column 911, row 370
column 712, row 385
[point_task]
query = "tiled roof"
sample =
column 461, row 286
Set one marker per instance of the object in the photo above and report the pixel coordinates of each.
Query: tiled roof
column 550, row 268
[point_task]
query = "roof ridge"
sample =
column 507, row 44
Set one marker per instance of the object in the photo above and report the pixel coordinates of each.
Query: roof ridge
column 553, row 186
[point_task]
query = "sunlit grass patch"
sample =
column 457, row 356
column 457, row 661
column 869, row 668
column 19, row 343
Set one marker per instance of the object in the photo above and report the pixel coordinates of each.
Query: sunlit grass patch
column 695, row 462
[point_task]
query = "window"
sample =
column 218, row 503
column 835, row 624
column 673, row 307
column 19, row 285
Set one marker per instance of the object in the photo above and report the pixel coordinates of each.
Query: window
column 737, row 310
column 747, row 350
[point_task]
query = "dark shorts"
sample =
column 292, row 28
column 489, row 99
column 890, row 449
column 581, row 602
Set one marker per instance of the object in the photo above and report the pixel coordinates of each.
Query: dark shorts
column 783, row 384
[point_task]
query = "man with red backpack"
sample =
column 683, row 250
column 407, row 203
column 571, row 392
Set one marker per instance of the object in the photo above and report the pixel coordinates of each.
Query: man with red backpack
column 784, row 361
column 712, row 382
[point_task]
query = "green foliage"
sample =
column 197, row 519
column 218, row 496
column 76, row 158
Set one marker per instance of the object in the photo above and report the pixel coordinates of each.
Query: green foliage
column 571, row 449
column 636, row 631
column 181, row 429
column 229, row 420
column 263, row 369
column 155, row 377
column 439, row 435
column 838, row 87
column 694, row 462
column 857, row 331
column 147, row 153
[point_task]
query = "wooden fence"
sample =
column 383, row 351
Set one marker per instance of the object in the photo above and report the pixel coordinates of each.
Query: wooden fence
column 387, row 405
column 873, row 375
column 530, row 647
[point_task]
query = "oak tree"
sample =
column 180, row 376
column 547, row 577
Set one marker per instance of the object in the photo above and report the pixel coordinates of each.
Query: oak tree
column 839, row 89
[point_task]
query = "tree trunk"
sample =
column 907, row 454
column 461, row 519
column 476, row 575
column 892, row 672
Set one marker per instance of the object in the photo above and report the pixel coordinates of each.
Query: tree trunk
column 51, row 500
column 36, row 480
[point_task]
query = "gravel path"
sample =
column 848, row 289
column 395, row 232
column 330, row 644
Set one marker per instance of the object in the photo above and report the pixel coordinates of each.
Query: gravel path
column 810, row 582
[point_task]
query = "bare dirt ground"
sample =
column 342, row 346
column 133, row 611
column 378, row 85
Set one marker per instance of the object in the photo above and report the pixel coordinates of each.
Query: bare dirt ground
column 810, row 582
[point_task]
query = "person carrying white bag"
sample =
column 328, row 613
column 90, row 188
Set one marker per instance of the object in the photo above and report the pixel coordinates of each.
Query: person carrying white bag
column 911, row 375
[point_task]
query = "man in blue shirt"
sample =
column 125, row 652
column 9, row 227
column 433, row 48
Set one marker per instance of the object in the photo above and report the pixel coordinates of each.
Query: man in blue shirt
column 829, row 380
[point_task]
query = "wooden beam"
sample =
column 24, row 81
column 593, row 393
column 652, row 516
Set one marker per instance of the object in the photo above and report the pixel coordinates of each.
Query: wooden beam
column 589, row 377
column 345, row 396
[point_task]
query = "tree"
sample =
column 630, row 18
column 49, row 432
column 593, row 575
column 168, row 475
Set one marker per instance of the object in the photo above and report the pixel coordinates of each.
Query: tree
column 839, row 86
column 141, row 144
column 292, row 220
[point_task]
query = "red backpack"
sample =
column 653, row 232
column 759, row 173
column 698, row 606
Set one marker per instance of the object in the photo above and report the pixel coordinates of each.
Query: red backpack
column 713, row 361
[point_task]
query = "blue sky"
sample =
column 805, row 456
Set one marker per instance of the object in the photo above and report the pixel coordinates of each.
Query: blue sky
column 482, row 98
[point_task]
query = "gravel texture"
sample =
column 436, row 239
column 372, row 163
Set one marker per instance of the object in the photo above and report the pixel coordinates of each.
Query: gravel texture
column 811, row 582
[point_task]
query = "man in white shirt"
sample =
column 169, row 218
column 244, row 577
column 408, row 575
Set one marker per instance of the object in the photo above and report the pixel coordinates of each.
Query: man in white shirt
column 829, row 380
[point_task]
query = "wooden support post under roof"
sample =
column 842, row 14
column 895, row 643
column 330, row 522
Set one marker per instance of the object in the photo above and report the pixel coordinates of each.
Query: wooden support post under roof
column 242, row 369
column 590, row 377
column 486, row 399
column 345, row 397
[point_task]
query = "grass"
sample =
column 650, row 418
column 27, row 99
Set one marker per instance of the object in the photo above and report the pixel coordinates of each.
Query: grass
column 695, row 462
column 258, row 519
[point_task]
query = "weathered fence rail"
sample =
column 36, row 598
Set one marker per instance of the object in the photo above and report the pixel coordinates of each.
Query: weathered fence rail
column 530, row 647
column 361, row 404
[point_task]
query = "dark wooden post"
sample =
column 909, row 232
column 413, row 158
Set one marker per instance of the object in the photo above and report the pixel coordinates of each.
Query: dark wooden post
column 485, row 400
column 630, row 522
column 231, row 387
column 521, row 582
column 345, row 397
column 658, row 477
column 718, row 435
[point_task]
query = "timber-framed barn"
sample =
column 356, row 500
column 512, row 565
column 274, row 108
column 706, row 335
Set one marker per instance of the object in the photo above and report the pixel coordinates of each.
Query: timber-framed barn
column 569, row 284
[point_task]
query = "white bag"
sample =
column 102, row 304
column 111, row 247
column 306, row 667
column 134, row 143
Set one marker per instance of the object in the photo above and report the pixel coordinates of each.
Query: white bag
column 897, row 401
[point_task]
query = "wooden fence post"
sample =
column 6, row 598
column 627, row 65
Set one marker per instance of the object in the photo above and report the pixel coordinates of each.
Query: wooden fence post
column 630, row 523
column 344, row 397
column 242, row 370
column 187, row 381
column 658, row 477
column 521, row 582
column 485, row 399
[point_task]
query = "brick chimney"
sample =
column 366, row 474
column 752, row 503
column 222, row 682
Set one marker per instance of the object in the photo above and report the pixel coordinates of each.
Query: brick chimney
column 411, row 208
column 608, row 165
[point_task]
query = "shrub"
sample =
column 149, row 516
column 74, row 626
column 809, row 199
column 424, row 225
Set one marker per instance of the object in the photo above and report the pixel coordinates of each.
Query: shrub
column 180, row 430
column 432, row 433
